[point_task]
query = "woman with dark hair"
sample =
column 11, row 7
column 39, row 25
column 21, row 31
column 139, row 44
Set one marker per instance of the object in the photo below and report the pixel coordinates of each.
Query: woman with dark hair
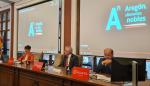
column 27, row 56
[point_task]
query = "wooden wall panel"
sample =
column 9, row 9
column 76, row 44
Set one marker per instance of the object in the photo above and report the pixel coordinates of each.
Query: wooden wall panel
column 67, row 22
column 12, row 30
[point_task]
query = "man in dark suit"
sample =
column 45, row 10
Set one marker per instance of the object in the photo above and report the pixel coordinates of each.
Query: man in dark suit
column 69, row 59
column 104, row 65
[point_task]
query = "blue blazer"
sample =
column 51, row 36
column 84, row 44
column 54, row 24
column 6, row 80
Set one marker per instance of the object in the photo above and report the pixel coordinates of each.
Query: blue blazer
column 103, row 68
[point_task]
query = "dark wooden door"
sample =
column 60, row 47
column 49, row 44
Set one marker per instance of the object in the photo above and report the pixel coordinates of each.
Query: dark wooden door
column 26, row 81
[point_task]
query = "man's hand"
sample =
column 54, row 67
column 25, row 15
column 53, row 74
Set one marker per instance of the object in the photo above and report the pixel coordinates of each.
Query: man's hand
column 107, row 62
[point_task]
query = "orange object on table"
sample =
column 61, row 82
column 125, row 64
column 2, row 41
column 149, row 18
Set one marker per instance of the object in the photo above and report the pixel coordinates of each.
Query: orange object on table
column 37, row 66
column 80, row 73
column 11, row 61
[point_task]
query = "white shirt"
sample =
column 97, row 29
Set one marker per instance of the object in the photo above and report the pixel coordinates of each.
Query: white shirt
column 68, row 60
column 26, row 58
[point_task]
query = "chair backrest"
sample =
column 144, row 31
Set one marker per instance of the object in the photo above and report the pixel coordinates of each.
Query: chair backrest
column 58, row 60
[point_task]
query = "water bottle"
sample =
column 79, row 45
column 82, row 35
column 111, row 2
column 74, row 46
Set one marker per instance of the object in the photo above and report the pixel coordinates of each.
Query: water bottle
column 46, row 66
column 68, row 71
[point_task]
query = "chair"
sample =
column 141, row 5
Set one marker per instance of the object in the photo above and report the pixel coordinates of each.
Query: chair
column 58, row 60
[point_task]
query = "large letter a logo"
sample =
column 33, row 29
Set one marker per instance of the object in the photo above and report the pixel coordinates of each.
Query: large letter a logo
column 113, row 20
column 31, row 32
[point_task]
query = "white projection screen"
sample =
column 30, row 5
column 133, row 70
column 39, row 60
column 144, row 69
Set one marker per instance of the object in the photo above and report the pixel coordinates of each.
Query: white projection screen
column 38, row 26
column 123, row 25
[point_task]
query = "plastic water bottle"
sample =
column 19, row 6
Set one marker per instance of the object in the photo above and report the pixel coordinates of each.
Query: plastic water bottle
column 46, row 66
column 68, row 71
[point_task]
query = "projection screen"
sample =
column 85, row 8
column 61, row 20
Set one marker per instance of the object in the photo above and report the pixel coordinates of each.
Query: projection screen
column 38, row 26
column 123, row 25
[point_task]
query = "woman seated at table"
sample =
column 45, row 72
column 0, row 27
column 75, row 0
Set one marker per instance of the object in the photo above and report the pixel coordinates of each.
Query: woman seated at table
column 27, row 56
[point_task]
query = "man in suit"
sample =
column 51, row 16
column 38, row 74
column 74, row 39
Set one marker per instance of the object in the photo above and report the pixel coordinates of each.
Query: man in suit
column 69, row 59
column 27, row 56
column 104, row 65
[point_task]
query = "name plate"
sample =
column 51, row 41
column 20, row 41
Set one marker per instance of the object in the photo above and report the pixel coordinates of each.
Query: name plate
column 80, row 73
column 37, row 66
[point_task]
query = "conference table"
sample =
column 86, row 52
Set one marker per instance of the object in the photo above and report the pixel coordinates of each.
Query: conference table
column 23, row 75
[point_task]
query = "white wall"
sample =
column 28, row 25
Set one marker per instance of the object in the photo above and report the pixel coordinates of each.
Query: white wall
column 74, row 25
column 62, row 28
column 5, row 7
